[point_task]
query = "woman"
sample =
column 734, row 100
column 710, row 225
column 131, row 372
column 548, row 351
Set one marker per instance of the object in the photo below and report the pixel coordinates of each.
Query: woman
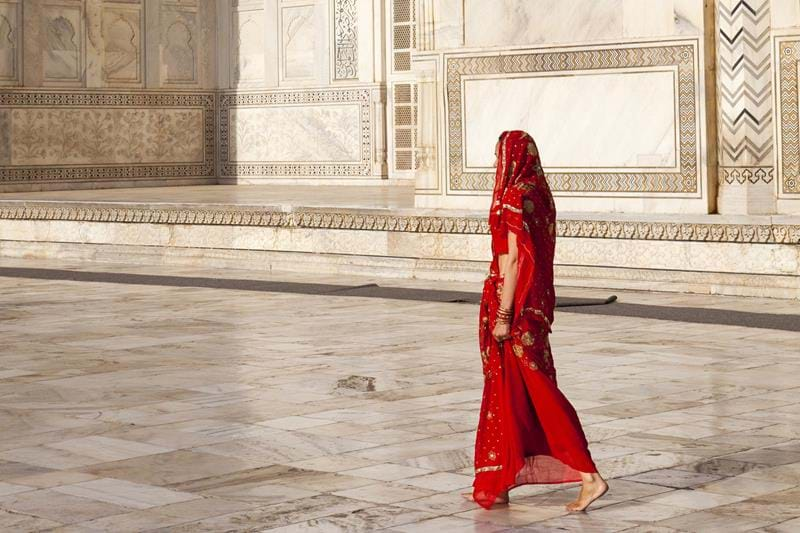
column 528, row 432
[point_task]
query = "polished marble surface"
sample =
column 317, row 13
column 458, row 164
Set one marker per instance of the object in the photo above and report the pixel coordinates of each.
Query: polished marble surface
column 142, row 408
column 370, row 196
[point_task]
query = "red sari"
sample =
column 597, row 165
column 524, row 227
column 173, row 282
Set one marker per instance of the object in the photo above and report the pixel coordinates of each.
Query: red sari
column 528, row 432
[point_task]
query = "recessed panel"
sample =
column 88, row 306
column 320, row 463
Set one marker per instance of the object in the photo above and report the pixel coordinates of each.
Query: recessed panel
column 621, row 120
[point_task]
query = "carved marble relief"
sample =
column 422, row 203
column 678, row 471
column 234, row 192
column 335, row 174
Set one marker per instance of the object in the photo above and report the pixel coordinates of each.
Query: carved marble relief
column 105, row 136
column 259, row 133
column 346, row 39
column 179, row 53
column 79, row 135
column 9, row 48
column 62, row 44
column 122, row 45
column 248, row 45
column 181, row 46
column 299, row 42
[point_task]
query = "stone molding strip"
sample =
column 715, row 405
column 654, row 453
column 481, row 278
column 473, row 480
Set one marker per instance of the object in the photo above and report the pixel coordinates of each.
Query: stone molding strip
column 309, row 218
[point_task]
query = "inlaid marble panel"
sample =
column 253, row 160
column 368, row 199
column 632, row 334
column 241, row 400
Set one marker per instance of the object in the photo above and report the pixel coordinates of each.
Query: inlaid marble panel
column 787, row 54
column 301, row 134
column 346, row 39
column 299, row 41
column 570, row 135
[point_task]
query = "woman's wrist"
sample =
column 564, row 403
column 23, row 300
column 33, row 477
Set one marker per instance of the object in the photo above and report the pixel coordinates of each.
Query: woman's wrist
column 504, row 315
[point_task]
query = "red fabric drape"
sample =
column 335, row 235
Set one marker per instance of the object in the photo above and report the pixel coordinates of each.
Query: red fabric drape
column 528, row 431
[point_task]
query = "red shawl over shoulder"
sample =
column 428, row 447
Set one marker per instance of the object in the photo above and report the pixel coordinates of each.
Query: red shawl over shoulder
column 522, row 203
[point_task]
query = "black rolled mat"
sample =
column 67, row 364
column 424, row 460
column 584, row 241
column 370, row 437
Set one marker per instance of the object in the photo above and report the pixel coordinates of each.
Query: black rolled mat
column 698, row 315
column 370, row 290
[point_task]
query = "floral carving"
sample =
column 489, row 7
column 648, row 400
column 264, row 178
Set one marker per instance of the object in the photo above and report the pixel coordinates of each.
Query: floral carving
column 106, row 136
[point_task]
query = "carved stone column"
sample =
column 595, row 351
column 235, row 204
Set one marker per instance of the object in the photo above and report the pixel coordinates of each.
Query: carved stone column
column 745, row 108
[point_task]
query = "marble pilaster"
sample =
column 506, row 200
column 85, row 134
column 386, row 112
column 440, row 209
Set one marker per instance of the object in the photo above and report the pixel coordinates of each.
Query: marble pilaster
column 745, row 117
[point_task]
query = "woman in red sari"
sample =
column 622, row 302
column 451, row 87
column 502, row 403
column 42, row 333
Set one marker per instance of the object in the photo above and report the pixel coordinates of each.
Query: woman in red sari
column 528, row 432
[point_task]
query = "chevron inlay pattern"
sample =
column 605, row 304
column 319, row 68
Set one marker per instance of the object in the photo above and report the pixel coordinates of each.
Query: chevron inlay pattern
column 788, row 50
column 745, row 91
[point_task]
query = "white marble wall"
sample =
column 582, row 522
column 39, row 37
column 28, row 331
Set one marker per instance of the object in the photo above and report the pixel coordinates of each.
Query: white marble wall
column 312, row 133
column 642, row 134
column 613, row 90
column 543, row 22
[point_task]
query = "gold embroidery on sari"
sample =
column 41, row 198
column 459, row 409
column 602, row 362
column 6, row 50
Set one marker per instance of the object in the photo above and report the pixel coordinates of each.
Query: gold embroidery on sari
column 488, row 469
column 536, row 312
column 527, row 338
column 512, row 209
column 518, row 350
column 492, row 456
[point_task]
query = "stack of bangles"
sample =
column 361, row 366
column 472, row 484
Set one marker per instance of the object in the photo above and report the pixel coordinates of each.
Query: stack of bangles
column 504, row 315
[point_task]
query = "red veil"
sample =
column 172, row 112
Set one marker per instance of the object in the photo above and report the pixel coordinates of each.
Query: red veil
column 528, row 432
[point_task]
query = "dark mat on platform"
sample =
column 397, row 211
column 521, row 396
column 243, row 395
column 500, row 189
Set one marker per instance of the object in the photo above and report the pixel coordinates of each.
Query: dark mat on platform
column 597, row 306
column 371, row 290
column 700, row 315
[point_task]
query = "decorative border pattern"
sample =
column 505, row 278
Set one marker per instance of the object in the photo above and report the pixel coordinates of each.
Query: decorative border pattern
column 366, row 221
column 745, row 87
column 72, row 99
column 345, row 39
column 788, row 53
column 683, row 56
column 742, row 175
column 362, row 97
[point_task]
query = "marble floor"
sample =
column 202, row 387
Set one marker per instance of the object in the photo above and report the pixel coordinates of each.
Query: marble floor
column 183, row 409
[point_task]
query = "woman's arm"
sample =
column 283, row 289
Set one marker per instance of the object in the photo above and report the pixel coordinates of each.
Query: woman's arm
column 510, row 274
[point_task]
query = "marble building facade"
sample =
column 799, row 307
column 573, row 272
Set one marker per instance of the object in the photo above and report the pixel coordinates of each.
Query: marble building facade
column 117, row 93
column 656, row 106
column 668, row 128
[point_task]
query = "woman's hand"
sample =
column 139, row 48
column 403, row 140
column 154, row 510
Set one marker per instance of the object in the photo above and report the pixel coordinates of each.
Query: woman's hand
column 501, row 332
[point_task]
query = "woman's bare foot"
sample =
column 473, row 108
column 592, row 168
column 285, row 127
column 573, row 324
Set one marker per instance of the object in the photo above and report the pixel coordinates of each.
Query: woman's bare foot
column 594, row 486
column 502, row 498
